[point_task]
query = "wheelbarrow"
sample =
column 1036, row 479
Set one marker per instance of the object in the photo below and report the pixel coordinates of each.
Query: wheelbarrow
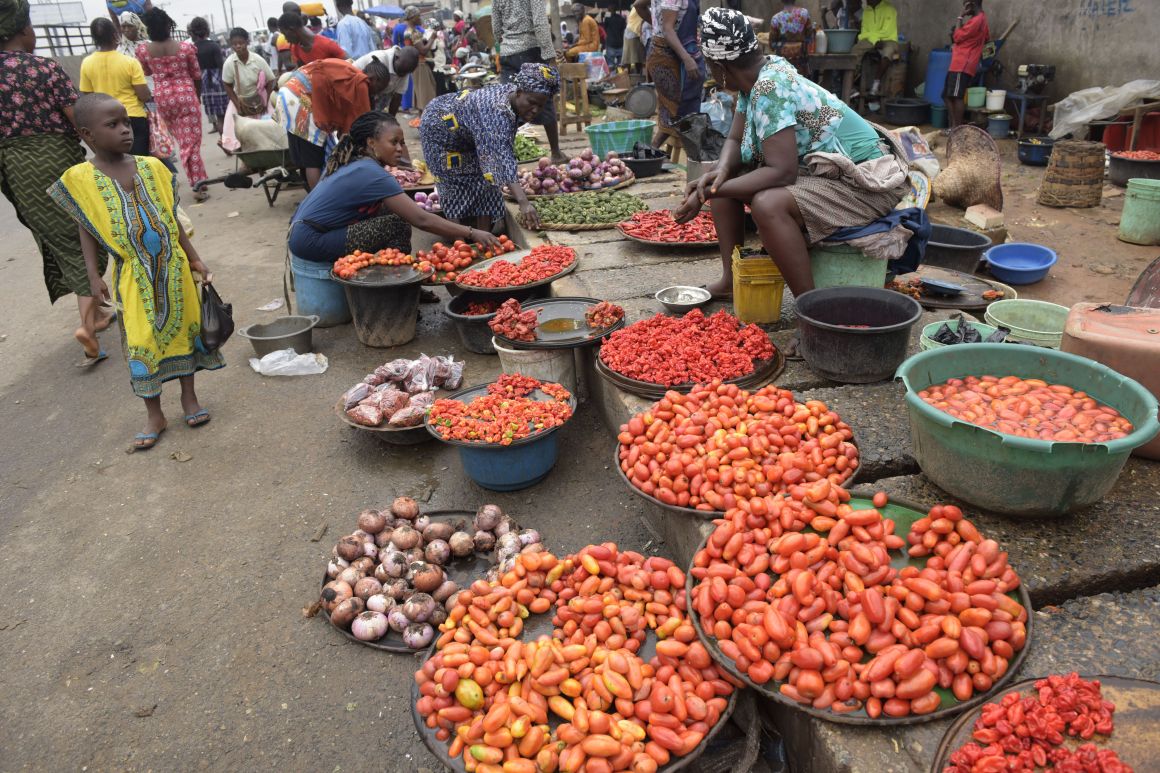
column 276, row 172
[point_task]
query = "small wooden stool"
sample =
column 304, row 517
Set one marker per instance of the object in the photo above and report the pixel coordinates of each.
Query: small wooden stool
column 673, row 142
column 574, row 88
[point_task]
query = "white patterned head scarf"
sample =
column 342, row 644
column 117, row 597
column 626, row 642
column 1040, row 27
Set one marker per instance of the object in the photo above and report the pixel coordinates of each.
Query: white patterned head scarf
column 726, row 35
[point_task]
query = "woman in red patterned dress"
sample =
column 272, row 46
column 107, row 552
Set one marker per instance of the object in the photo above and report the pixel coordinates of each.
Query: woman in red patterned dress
column 177, row 89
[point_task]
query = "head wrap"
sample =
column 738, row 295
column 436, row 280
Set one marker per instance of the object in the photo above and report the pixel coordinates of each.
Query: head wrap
column 726, row 35
column 130, row 18
column 411, row 12
column 538, row 79
column 14, row 18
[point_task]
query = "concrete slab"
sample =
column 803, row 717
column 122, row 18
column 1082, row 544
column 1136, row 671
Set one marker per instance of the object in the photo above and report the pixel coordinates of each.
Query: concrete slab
column 877, row 412
column 1111, row 633
column 1112, row 545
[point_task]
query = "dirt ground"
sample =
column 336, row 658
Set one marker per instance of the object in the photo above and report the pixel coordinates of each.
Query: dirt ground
column 153, row 614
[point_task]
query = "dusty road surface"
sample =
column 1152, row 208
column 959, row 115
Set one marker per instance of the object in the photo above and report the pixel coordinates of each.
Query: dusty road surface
column 151, row 618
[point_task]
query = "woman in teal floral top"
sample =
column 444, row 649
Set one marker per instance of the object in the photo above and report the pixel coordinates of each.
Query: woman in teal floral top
column 786, row 133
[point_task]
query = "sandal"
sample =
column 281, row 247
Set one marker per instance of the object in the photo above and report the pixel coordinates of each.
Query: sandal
column 200, row 193
column 89, row 362
column 143, row 441
column 197, row 419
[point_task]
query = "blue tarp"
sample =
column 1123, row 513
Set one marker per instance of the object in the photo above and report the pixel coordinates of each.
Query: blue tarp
column 385, row 11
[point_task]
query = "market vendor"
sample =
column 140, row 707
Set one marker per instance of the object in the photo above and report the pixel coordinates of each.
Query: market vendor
column 468, row 142
column 324, row 97
column 786, row 133
column 879, row 34
column 361, row 206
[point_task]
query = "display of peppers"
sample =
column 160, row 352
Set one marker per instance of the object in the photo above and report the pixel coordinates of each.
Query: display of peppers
column 683, row 350
column 604, row 314
column 513, row 323
column 504, row 415
column 659, row 226
column 541, row 262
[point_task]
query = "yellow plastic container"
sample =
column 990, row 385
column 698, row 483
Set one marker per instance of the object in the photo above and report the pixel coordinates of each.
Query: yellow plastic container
column 758, row 288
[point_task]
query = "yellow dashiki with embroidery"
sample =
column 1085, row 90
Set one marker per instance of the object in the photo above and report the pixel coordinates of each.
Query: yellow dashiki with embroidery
column 157, row 300
column 469, row 144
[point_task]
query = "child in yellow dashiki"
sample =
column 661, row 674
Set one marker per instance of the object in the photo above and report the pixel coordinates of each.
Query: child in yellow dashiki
column 124, row 205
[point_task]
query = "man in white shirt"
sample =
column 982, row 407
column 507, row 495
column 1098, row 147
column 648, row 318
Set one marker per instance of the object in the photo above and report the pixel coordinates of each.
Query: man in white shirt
column 354, row 35
column 400, row 62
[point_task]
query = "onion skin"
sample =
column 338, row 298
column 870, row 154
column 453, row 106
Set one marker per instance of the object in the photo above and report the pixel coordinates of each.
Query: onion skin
column 418, row 635
column 370, row 549
column 418, row 608
column 347, row 611
column 350, row 576
column 380, row 602
column 397, row 589
column 349, row 547
column 437, row 552
column 421, row 523
column 404, row 537
column 529, row 536
column 462, row 544
column 367, row 587
column 397, row 620
column 371, row 521
column 383, row 538
column 334, row 593
column 366, row 564
column 396, row 564
column 484, row 541
column 427, row 578
column 336, row 565
column 369, row 626
column 405, row 508
column 504, row 526
column 438, row 530
column 488, row 517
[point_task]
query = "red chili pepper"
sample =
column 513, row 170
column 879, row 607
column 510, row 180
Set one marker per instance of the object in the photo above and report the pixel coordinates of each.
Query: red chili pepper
column 542, row 262
column 659, row 226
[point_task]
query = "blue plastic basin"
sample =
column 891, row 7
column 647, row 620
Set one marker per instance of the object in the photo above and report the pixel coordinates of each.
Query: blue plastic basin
column 510, row 468
column 1020, row 263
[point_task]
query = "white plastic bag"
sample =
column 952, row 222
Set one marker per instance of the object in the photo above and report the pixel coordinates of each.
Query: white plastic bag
column 1075, row 111
column 287, row 362
column 719, row 108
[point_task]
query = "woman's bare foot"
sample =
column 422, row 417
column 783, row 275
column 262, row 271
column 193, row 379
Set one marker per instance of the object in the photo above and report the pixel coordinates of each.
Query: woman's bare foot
column 89, row 342
column 721, row 289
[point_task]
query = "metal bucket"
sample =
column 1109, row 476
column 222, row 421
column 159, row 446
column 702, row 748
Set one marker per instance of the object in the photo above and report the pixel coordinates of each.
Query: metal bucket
column 289, row 332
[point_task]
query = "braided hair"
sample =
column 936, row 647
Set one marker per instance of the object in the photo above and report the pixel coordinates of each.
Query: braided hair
column 354, row 145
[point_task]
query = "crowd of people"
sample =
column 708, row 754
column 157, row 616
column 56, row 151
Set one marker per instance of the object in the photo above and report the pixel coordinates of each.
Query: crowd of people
column 335, row 91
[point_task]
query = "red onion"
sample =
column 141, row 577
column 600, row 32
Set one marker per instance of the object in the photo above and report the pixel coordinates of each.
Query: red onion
column 350, row 575
column 336, row 565
column 461, row 544
column 445, row 591
column 383, row 538
column 365, row 564
column 405, row 508
column 349, row 547
column 421, row 523
column 418, row 608
column 504, row 526
column 488, row 517
column 395, row 564
column 347, row 611
column 426, row 577
column 418, row 635
column 397, row 589
column 369, row 626
column 528, row 536
column 371, row 521
column 367, row 587
column 484, row 541
column 380, row 602
column 334, row 593
column 438, row 530
column 363, row 535
column 437, row 552
column 370, row 549
column 397, row 620
column 404, row 537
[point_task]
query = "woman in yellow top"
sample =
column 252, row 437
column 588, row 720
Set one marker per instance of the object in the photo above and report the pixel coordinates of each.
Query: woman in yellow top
column 108, row 71
column 125, row 206
column 589, row 33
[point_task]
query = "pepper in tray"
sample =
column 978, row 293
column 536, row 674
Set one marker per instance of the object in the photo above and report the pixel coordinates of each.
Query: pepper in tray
column 540, row 263
column 659, row 226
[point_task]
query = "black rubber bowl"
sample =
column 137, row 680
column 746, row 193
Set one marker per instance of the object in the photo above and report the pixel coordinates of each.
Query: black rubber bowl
column 855, row 335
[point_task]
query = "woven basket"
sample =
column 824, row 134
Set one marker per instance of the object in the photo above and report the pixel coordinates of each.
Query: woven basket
column 1074, row 176
column 573, row 226
column 972, row 173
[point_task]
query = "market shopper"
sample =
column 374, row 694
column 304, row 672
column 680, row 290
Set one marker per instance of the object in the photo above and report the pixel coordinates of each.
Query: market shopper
column 789, row 33
column 468, row 142
column 969, row 36
column 524, row 34
column 355, row 36
column 322, row 98
column 400, row 63
column 361, row 206
column 209, row 58
column 305, row 46
column 153, row 287
column 409, row 33
column 783, row 126
column 176, row 88
column 879, row 34
column 108, row 71
column 674, row 59
column 133, row 32
column 614, row 27
column 248, row 80
column 37, row 144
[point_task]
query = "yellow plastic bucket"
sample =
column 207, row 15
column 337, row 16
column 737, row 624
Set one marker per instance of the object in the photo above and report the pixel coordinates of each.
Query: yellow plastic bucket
column 758, row 288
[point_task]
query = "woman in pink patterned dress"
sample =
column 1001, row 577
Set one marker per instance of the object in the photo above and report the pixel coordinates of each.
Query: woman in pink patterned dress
column 177, row 89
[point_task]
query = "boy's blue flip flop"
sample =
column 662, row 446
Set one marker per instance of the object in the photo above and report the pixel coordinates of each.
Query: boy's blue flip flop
column 197, row 419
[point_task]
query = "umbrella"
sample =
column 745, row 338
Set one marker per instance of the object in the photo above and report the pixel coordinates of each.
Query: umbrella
column 385, row 11
column 484, row 11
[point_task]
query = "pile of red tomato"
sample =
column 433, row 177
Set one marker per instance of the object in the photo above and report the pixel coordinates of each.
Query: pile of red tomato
column 1138, row 155
column 349, row 265
column 447, row 261
column 542, row 262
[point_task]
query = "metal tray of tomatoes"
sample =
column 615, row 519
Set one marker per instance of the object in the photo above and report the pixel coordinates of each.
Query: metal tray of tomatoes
column 384, row 276
column 904, row 513
column 467, row 395
column 541, row 625
column 574, row 333
column 704, row 515
column 396, row 436
column 512, row 257
column 1137, row 716
column 463, row 571
column 764, row 372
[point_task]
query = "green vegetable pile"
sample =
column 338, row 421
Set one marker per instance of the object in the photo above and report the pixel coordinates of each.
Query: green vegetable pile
column 589, row 208
column 527, row 149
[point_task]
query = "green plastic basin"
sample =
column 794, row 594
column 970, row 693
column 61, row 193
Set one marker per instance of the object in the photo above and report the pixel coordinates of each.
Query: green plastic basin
column 1014, row 475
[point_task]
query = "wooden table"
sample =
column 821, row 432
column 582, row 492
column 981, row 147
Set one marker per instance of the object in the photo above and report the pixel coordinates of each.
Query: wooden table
column 844, row 63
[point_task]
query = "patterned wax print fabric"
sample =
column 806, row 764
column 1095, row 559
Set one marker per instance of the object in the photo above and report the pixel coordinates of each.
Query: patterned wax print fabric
column 782, row 98
column 468, row 144
column 791, row 21
column 152, row 287
column 33, row 90
column 292, row 109
column 177, row 102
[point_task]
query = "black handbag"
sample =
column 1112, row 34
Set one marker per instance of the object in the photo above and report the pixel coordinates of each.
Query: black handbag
column 217, row 319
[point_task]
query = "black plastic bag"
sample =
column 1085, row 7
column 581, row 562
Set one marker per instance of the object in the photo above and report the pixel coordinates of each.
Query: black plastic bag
column 217, row 319
column 964, row 333
column 701, row 141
